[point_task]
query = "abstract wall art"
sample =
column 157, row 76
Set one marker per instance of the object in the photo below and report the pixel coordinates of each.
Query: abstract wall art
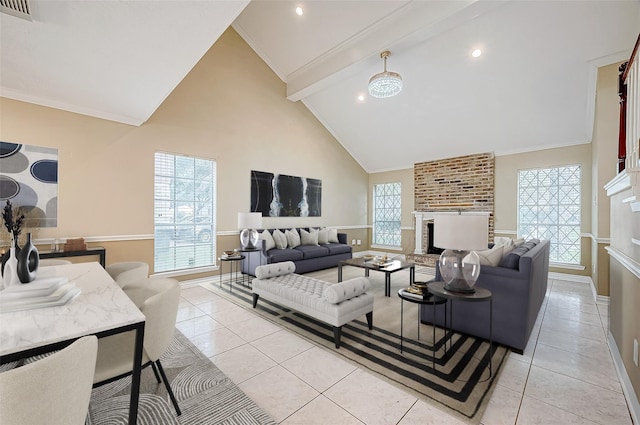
column 29, row 179
column 279, row 195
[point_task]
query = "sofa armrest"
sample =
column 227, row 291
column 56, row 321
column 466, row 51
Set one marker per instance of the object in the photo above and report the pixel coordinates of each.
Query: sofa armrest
column 342, row 238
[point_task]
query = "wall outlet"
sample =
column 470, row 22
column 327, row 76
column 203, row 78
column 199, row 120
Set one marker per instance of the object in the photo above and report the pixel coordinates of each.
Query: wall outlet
column 635, row 351
column 353, row 241
column 359, row 242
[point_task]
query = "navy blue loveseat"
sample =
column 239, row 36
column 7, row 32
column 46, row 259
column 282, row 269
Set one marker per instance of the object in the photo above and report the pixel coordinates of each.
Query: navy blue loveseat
column 307, row 258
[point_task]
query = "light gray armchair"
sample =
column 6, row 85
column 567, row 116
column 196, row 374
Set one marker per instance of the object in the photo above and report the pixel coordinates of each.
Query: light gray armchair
column 158, row 300
column 54, row 390
column 128, row 271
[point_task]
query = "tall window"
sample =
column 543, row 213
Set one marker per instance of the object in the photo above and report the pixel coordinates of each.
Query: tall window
column 386, row 214
column 549, row 208
column 184, row 209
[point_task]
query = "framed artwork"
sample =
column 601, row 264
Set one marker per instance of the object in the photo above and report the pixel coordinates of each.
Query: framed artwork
column 29, row 179
column 279, row 195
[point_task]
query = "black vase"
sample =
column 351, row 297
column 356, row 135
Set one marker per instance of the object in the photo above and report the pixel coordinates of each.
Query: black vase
column 28, row 261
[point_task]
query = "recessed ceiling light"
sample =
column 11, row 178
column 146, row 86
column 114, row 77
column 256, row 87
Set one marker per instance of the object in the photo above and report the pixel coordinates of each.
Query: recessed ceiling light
column 299, row 11
column 360, row 98
column 476, row 53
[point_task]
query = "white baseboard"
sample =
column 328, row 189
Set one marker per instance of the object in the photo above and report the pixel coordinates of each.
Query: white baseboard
column 627, row 388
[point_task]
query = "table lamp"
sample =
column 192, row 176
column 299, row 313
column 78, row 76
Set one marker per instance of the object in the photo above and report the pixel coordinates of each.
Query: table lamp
column 248, row 222
column 459, row 235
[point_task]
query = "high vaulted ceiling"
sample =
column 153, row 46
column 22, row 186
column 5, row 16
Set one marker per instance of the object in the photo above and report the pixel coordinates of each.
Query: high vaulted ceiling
column 532, row 88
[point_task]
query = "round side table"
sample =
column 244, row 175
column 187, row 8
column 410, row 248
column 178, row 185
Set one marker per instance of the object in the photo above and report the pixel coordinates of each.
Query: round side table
column 421, row 299
column 480, row 295
column 235, row 260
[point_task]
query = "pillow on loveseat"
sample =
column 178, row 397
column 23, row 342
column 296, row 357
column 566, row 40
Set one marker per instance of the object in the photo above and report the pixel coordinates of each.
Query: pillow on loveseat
column 269, row 243
column 491, row 257
column 512, row 259
column 341, row 291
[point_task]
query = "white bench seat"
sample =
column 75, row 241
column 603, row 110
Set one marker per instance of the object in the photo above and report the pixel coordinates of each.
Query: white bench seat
column 331, row 303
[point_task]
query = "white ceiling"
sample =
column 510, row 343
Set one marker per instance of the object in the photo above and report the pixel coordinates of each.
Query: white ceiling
column 532, row 88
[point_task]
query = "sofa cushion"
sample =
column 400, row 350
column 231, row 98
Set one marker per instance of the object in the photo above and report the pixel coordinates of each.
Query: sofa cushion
column 491, row 257
column 287, row 254
column 309, row 238
column 337, row 248
column 323, row 235
column 341, row 291
column 276, row 269
column 512, row 259
column 280, row 239
column 312, row 251
column 269, row 243
column 293, row 238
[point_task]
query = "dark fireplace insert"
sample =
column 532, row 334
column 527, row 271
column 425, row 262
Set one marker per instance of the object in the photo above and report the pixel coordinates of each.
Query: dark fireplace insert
column 431, row 249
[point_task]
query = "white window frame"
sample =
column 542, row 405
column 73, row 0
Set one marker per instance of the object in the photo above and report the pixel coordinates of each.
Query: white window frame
column 376, row 232
column 184, row 219
column 544, row 206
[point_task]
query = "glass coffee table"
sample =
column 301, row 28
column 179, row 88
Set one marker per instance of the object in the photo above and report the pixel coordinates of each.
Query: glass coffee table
column 392, row 267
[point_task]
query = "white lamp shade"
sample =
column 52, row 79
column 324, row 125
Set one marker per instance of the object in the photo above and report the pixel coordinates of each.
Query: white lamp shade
column 249, row 220
column 462, row 232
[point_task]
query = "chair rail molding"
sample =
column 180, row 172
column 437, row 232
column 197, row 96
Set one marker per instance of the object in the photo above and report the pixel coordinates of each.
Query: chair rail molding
column 629, row 263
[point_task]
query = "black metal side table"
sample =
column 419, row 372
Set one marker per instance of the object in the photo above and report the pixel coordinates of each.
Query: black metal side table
column 480, row 295
column 235, row 260
column 421, row 299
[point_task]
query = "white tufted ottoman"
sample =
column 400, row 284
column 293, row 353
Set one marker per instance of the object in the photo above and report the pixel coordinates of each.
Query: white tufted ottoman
column 331, row 303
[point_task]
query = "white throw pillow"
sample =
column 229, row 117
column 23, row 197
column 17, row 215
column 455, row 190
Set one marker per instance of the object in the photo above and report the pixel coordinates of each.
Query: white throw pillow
column 332, row 235
column 280, row 239
column 293, row 238
column 308, row 238
column 269, row 243
column 323, row 236
column 491, row 257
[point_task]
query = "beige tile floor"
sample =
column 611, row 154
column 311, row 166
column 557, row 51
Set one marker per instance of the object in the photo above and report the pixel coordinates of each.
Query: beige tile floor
column 565, row 376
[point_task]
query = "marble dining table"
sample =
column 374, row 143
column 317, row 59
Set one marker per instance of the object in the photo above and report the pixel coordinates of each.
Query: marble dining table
column 101, row 309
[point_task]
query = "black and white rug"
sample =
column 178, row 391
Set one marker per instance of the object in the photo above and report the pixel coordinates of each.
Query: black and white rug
column 205, row 395
column 458, row 381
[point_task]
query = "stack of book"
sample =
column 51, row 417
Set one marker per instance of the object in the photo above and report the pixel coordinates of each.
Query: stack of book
column 75, row 245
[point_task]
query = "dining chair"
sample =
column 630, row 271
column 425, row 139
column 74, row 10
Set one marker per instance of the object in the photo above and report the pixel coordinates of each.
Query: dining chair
column 158, row 299
column 127, row 272
column 54, row 390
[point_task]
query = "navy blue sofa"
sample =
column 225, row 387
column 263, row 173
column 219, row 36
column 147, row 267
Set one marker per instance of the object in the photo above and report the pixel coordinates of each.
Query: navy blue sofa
column 307, row 258
column 518, row 293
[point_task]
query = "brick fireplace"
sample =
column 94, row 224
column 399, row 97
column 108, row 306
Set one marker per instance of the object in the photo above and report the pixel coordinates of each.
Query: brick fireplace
column 463, row 183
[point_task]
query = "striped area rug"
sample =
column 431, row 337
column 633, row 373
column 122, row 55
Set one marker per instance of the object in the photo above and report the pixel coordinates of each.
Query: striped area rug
column 457, row 378
column 204, row 393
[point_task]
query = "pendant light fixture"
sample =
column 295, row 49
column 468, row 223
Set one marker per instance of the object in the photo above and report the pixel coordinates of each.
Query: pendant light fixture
column 386, row 83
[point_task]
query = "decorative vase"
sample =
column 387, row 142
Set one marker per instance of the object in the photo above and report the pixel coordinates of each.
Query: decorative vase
column 10, row 270
column 28, row 261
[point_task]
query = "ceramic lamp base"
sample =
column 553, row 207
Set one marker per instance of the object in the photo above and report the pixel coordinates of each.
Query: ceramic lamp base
column 248, row 238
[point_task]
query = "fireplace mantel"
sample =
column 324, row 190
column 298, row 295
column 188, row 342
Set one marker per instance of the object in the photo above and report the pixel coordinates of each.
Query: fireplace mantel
column 421, row 216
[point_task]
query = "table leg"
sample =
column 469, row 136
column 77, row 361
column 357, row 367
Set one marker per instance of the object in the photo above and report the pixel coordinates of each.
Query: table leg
column 434, row 334
column 387, row 284
column 490, row 335
column 401, row 321
column 339, row 272
column 220, row 280
column 412, row 274
column 135, row 378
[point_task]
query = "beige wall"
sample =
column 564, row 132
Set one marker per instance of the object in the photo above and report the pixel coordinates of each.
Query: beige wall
column 232, row 108
column 604, row 163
